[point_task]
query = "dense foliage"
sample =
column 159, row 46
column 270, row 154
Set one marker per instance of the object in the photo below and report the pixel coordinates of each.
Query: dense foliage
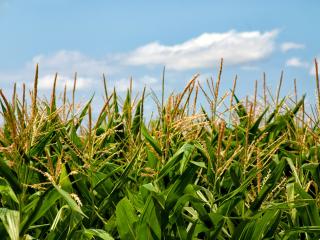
column 229, row 169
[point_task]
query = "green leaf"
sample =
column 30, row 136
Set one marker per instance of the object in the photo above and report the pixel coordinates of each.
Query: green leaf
column 269, row 185
column 38, row 208
column 97, row 233
column 126, row 219
column 179, row 206
column 127, row 107
column 310, row 212
column 6, row 190
column 83, row 113
column 268, row 219
column 177, row 188
column 241, row 111
column 299, row 104
column 9, row 175
column 150, row 139
column 72, row 203
column 255, row 127
column 185, row 151
column 137, row 119
column 149, row 225
column 11, row 221
column 120, row 182
column 292, row 233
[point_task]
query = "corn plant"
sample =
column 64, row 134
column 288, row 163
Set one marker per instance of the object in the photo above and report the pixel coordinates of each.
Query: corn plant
column 222, row 168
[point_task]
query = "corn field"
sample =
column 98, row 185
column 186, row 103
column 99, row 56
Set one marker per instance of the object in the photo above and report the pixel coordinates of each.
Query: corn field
column 222, row 168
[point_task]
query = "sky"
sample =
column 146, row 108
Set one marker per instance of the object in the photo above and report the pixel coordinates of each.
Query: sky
column 137, row 39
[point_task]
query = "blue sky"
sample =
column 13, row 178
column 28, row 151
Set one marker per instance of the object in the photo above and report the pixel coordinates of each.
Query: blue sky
column 138, row 38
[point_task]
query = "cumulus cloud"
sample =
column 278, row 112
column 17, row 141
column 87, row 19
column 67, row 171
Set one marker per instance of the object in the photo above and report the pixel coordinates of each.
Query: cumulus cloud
column 66, row 64
column 69, row 62
column 206, row 50
column 89, row 71
column 296, row 62
column 290, row 46
column 46, row 82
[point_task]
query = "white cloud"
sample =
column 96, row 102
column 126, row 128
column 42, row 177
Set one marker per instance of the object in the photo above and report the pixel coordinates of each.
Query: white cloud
column 206, row 50
column 70, row 62
column 291, row 45
column 46, row 82
column 123, row 84
column 65, row 63
column 89, row 70
column 296, row 62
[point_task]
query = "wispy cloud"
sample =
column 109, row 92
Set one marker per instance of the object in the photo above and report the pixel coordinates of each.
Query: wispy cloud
column 297, row 62
column 285, row 47
column 206, row 50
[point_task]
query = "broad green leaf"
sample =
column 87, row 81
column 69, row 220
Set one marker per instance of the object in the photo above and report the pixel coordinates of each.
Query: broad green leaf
column 11, row 221
column 97, row 233
column 6, row 190
column 126, row 219
column 185, row 151
column 268, row 219
column 10, row 176
column 120, row 182
column 39, row 207
column 311, row 212
column 149, row 224
column 177, row 188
